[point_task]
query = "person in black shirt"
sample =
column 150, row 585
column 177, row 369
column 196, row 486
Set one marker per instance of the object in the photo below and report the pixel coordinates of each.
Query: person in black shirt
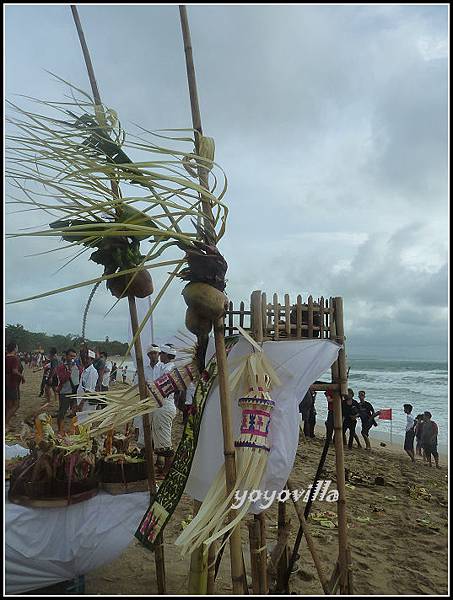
column 350, row 410
column 308, row 412
column 366, row 414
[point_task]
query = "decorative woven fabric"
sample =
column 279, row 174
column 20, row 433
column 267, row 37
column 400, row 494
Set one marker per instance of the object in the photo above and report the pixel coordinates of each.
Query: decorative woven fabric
column 123, row 405
column 172, row 487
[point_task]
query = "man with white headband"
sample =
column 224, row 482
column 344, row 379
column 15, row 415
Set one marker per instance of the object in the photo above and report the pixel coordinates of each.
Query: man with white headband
column 162, row 417
column 88, row 381
column 152, row 371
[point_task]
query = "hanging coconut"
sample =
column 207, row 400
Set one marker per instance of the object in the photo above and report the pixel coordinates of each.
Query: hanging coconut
column 204, row 299
column 141, row 286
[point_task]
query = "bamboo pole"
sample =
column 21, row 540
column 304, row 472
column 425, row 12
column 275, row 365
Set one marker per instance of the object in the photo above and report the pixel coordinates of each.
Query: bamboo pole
column 237, row 574
column 282, row 565
column 198, row 566
column 254, row 544
column 310, row 543
column 210, row 587
column 264, row 580
column 344, row 551
column 159, row 547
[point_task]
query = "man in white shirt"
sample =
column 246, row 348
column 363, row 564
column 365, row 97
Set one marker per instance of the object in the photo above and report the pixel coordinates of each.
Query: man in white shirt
column 106, row 374
column 162, row 417
column 88, row 381
column 152, row 371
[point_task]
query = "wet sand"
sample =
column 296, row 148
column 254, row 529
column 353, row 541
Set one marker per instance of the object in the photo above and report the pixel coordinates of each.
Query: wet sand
column 398, row 540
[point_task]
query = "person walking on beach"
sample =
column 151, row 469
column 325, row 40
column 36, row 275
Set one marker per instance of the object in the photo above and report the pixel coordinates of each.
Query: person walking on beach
column 152, row 370
column 88, row 383
column 13, row 379
column 68, row 374
column 418, row 436
column 52, row 380
column 429, row 438
column 162, row 417
column 350, row 409
column 113, row 373
column 410, row 432
column 124, row 374
column 366, row 414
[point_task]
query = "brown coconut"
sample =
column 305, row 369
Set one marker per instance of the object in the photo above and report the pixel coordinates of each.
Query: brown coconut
column 141, row 286
column 207, row 301
column 196, row 324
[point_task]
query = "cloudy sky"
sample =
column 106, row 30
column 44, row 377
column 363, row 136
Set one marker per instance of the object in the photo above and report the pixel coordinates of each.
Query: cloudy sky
column 331, row 124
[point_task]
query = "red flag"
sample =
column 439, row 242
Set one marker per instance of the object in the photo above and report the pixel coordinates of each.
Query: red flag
column 385, row 414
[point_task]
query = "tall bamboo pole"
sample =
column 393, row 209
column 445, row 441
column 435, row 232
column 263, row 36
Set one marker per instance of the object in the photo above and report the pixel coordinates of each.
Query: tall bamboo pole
column 343, row 548
column 159, row 548
column 237, row 574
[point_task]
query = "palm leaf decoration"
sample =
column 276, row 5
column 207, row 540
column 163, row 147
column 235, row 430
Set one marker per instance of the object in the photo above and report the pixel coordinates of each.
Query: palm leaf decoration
column 72, row 160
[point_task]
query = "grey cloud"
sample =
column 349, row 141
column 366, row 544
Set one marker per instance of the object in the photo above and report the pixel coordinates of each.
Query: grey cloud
column 329, row 121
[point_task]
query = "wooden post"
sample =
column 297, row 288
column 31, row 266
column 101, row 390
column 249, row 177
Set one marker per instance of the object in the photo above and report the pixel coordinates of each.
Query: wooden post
column 310, row 317
column 228, row 451
column 159, row 547
column 276, row 318
column 210, row 587
column 254, row 543
column 198, row 565
column 321, row 318
column 287, row 316
column 310, row 543
column 257, row 316
column 264, row 580
column 299, row 317
column 264, row 314
column 345, row 555
column 282, row 565
column 237, row 574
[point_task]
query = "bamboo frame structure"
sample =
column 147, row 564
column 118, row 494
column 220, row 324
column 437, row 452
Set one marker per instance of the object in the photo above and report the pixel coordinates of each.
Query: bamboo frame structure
column 159, row 548
column 320, row 319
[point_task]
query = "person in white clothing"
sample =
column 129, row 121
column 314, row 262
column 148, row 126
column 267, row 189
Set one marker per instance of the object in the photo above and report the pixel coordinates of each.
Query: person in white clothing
column 162, row 417
column 88, row 381
column 106, row 374
column 152, row 371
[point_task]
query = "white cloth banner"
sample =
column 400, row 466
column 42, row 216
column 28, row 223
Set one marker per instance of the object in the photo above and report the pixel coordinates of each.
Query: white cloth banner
column 44, row 546
column 298, row 364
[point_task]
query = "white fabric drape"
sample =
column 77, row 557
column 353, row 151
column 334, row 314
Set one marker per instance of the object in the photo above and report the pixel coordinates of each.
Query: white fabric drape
column 298, row 363
column 46, row 545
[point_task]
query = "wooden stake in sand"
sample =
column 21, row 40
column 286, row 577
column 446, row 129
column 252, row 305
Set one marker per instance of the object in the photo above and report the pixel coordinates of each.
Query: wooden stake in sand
column 159, row 548
column 237, row 574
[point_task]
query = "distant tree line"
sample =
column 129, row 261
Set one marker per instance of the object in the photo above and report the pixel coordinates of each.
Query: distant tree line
column 29, row 341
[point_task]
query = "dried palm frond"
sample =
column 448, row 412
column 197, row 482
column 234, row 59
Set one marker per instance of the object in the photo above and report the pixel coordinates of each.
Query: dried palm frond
column 70, row 159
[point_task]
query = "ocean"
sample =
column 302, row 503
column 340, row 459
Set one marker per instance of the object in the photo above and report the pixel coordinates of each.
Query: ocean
column 390, row 384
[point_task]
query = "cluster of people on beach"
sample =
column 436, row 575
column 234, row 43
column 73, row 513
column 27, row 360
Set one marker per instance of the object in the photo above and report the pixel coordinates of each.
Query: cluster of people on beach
column 421, row 429
column 74, row 374
column 352, row 412
column 67, row 378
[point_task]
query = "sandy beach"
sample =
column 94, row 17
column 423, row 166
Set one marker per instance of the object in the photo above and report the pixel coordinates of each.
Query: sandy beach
column 398, row 538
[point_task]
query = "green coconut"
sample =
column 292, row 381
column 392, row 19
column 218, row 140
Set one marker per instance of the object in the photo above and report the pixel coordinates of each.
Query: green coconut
column 204, row 299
